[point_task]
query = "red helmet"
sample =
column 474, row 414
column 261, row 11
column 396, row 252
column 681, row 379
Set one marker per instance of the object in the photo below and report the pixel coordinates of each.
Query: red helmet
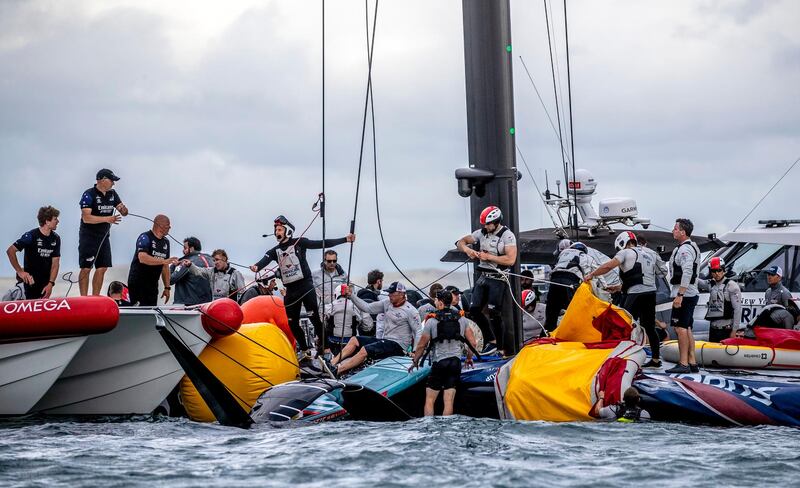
column 623, row 239
column 528, row 297
column 490, row 215
column 716, row 263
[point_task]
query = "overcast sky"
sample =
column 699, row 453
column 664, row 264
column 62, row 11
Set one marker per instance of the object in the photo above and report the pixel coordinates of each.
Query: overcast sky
column 210, row 112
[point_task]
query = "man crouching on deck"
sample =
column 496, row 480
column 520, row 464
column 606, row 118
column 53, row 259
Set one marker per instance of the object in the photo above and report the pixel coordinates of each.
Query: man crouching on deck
column 445, row 330
column 400, row 331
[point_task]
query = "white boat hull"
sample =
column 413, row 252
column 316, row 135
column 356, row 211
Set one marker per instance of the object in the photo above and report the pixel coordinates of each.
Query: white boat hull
column 29, row 369
column 128, row 370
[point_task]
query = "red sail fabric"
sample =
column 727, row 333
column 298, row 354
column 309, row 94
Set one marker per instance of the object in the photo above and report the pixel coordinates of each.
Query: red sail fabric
column 609, row 379
column 612, row 326
column 769, row 337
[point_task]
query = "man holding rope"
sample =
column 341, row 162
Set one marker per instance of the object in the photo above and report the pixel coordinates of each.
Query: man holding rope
column 498, row 253
column 290, row 255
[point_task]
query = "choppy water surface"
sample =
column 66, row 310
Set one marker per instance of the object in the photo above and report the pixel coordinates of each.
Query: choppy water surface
column 426, row 452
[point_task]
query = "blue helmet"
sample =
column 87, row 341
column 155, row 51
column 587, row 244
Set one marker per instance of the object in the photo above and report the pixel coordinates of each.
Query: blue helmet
column 580, row 247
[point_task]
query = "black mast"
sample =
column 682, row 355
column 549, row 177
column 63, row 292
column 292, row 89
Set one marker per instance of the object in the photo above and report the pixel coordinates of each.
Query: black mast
column 492, row 176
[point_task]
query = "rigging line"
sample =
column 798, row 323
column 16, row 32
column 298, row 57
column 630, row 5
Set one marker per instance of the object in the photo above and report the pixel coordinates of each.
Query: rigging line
column 322, row 196
column 571, row 133
column 539, row 191
column 367, row 96
column 558, row 68
column 549, row 117
column 558, row 114
column 768, row 192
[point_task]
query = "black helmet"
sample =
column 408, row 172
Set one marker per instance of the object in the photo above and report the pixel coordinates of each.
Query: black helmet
column 281, row 220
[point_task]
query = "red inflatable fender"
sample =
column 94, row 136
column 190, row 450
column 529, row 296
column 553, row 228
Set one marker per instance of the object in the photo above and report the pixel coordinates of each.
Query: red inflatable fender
column 221, row 317
column 57, row 317
column 268, row 308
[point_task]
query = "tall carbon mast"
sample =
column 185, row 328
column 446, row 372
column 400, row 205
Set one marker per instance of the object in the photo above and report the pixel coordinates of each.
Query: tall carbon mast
column 491, row 178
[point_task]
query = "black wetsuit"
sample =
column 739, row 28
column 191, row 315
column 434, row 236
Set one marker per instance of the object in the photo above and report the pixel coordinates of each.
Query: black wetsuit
column 39, row 252
column 296, row 277
column 94, row 244
column 143, row 278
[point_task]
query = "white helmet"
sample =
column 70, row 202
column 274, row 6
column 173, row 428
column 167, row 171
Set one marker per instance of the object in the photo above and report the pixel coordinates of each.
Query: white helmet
column 340, row 290
column 623, row 239
column 528, row 297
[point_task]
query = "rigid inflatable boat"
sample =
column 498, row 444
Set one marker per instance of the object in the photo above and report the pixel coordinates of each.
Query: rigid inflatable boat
column 771, row 349
column 39, row 338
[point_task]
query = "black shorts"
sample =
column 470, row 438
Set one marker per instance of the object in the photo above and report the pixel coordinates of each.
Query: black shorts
column 445, row 374
column 94, row 251
column 379, row 348
column 683, row 317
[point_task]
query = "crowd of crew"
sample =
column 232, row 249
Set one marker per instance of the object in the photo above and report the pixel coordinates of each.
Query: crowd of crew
column 375, row 324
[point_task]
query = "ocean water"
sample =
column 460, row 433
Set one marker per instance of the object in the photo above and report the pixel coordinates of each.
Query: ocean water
column 456, row 451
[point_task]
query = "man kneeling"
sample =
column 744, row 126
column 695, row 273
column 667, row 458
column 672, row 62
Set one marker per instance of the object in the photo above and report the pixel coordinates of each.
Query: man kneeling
column 399, row 333
column 445, row 330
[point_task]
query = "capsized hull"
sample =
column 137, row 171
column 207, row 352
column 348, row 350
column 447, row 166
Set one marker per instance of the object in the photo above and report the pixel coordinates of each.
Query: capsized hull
column 128, row 370
column 29, row 369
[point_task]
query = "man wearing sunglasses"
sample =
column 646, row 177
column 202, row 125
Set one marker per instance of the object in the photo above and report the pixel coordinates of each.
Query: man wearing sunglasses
column 328, row 277
column 290, row 255
column 724, row 302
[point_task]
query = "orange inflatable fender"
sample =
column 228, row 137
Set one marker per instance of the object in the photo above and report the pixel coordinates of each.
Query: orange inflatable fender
column 268, row 308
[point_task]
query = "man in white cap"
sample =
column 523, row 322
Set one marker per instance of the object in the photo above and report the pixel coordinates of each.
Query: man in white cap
column 776, row 294
column 396, row 337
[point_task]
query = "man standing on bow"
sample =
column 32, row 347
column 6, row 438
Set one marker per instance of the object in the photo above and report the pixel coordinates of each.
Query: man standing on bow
column 290, row 255
column 150, row 261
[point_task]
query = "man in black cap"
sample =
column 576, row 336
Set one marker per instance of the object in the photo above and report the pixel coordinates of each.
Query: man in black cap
column 98, row 204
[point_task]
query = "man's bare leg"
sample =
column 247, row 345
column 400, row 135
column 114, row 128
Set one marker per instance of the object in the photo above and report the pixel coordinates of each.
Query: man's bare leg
column 346, row 351
column 83, row 281
column 97, row 281
column 430, row 399
column 449, row 399
column 352, row 362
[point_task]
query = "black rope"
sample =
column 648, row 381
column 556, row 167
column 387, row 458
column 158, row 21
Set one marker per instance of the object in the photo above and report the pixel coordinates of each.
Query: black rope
column 768, row 192
column 558, row 113
column 571, row 133
column 370, row 49
column 549, row 117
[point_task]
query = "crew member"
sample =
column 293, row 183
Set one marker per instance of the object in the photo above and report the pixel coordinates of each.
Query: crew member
column 776, row 293
column 225, row 281
column 456, row 296
column 191, row 289
column 773, row 316
column 444, row 333
column 263, row 286
column 42, row 255
column 684, row 261
column 638, row 275
column 724, row 313
column 572, row 266
column 328, row 277
column 372, row 291
column 396, row 336
column 498, row 253
column 118, row 292
column 343, row 318
column 94, row 238
column 428, row 305
column 626, row 411
column 526, row 279
column 150, row 261
column 290, row 254
column 534, row 316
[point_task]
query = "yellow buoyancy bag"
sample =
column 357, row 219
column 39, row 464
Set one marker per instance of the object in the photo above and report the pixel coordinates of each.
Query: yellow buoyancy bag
column 583, row 309
column 278, row 366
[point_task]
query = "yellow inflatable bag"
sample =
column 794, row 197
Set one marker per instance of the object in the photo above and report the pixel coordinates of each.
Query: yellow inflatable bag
column 244, row 384
column 553, row 381
column 576, row 325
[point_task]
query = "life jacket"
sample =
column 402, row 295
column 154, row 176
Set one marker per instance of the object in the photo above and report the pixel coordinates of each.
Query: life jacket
column 448, row 328
column 677, row 271
column 643, row 272
column 764, row 317
column 487, row 241
column 629, row 415
column 228, row 277
column 570, row 260
column 717, row 310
